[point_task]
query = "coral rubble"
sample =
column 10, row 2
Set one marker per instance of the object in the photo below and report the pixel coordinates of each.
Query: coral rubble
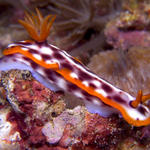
column 130, row 28
column 37, row 118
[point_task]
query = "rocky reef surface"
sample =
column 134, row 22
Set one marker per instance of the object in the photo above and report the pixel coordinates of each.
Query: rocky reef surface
column 33, row 117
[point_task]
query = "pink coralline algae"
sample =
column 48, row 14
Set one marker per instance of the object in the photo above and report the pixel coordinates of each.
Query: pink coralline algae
column 65, row 128
column 129, row 29
column 41, row 121
column 32, row 106
column 77, row 128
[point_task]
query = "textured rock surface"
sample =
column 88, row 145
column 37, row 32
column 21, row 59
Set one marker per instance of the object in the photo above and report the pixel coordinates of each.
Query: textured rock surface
column 130, row 28
column 38, row 119
column 132, row 144
column 42, row 122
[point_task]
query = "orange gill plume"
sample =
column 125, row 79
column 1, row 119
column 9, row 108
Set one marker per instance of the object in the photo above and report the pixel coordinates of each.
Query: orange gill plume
column 38, row 26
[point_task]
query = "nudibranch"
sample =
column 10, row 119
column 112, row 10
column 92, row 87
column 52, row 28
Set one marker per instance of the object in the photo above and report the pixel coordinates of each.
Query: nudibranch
column 57, row 70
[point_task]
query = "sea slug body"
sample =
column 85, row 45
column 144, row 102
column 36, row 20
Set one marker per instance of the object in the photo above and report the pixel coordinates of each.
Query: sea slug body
column 57, row 70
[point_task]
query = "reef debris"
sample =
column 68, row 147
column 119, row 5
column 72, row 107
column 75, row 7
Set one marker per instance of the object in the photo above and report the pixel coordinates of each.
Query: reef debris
column 38, row 118
column 130, row 28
